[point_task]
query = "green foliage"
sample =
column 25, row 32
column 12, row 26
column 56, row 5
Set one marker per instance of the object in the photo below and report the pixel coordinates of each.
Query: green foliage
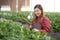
column 55, row 21
column 15, row 16
column 11, row 31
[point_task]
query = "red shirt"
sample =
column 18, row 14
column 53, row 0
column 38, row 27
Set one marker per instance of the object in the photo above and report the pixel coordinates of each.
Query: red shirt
column 45, row 24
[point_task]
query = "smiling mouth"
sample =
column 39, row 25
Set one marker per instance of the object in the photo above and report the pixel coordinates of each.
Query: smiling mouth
column 37, row 15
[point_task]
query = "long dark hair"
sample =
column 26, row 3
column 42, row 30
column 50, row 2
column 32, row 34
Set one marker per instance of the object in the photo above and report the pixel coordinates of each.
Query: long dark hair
column 41, row 16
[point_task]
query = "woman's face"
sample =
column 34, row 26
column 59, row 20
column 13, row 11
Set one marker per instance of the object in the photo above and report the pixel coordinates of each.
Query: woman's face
column 37, row 11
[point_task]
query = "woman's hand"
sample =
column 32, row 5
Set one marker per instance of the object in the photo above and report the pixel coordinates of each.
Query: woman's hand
column 36, row 29
column 30, row 26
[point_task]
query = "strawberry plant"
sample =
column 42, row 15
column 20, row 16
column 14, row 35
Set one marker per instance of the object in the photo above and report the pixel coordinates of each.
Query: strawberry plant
column 11, row 31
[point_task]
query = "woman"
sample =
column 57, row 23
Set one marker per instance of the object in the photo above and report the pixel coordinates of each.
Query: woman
column 39, row 18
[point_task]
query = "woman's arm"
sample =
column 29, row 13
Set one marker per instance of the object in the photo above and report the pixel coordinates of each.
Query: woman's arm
column 45, row 25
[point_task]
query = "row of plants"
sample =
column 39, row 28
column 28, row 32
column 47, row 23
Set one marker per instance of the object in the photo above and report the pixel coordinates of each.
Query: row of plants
column 11, row 31
column 55, row 21
column 17, row 16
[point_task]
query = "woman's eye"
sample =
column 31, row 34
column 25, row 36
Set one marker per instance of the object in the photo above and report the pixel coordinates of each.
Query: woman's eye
column 36, row 11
